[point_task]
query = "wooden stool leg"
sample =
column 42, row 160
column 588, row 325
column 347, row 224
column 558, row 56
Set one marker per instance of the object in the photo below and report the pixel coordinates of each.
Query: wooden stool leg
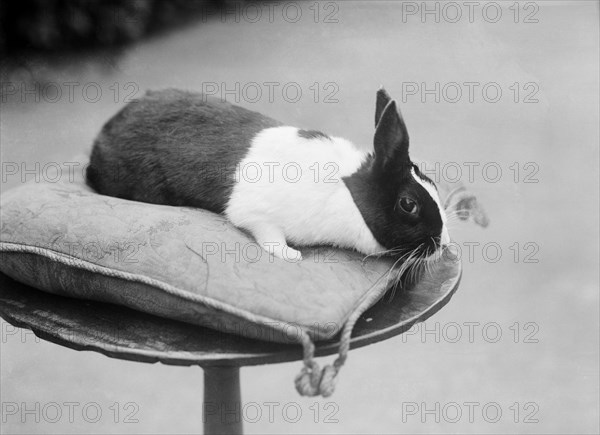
column 222, row 407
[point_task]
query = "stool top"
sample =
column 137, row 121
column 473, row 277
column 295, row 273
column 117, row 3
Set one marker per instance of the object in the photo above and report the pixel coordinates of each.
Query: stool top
column 120, row 332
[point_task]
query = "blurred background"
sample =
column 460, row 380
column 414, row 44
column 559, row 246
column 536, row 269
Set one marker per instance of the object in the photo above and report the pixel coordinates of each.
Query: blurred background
column 502, row 96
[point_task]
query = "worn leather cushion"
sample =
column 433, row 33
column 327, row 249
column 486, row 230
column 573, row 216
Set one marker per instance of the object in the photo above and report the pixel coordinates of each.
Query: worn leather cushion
column 181, row 263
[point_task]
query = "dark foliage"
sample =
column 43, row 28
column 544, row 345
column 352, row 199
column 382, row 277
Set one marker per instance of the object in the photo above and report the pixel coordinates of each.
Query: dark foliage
column 75, row 25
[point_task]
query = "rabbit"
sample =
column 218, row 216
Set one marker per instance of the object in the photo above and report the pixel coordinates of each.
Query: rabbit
column 282, row 184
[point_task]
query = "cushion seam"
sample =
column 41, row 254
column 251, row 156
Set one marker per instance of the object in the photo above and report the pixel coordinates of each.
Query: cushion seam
column 172, row 290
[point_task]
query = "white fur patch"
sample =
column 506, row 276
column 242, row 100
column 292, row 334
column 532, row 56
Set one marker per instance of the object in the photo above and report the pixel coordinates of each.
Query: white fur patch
column 289, row 188
column 430, row 188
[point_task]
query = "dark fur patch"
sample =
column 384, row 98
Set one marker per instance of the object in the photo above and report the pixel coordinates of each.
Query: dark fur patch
column 377, row 199
column 312, row 134
column 176, row 148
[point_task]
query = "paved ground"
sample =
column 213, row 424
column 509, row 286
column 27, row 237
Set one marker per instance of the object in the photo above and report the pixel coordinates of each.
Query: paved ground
column 542, row 372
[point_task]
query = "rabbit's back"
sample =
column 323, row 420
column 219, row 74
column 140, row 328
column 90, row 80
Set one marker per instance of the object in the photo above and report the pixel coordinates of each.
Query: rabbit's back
column 174, row 147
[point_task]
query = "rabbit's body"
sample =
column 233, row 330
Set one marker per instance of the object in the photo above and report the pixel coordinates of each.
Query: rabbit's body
column 280, row 183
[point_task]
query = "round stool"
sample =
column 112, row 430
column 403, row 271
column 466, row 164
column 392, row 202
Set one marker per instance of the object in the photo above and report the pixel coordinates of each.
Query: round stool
column 120, row 332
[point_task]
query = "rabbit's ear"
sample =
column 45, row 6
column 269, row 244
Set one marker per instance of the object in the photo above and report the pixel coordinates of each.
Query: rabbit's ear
column 383, row 99
column 391, row 141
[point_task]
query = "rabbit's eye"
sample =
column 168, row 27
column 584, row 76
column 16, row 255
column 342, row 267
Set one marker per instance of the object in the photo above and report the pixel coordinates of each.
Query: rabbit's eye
column 408, row 205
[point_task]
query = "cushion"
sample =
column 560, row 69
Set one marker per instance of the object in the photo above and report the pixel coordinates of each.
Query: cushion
column 184, row 264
